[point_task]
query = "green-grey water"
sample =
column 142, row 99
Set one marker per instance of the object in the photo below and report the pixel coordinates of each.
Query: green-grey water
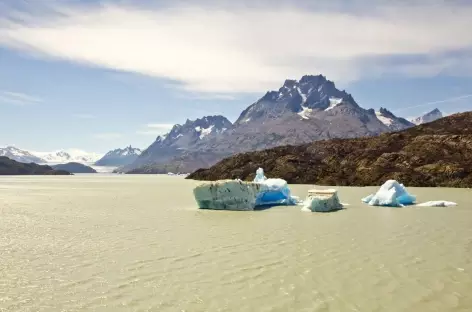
column 139, row 243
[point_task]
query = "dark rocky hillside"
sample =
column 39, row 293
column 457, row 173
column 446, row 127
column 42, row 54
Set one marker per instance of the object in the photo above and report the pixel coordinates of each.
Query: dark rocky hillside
column 438, row 153
column 74, row 167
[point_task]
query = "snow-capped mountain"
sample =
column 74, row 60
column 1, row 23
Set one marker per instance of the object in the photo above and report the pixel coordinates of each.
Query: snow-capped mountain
column 119, row 157
column 301, row 111
column 70, row 155
column 391, row 121
column 185, row 137
column 20, row 155
column 433, row 115
column 306, row 97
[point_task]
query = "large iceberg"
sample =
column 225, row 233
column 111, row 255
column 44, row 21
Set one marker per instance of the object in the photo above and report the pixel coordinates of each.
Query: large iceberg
column 240, row 195
column 390, row 194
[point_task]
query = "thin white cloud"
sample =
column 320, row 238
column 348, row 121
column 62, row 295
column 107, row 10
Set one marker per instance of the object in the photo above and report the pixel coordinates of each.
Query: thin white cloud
column 225, row 50
column 448, row 100
column 155, row 129
column 107, row 136
column 18, row 98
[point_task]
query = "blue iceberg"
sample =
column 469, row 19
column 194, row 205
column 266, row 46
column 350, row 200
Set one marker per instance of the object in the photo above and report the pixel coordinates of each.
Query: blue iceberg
column 390, row 194
column 273, row 191
column 243, row 196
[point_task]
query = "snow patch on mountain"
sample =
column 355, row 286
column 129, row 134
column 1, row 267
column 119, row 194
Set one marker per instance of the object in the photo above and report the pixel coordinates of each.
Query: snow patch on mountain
column 333, row 102
column 205, row 131
column 385, row 120
column 305, row 113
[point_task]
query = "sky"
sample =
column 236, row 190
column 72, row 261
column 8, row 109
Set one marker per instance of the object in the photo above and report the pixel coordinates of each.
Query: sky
column 99, row 75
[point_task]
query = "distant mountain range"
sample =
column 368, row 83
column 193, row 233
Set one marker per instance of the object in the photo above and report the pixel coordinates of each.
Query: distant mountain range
column 119, row 157
column 302, row 111
column 65, row 156
column 57, row 157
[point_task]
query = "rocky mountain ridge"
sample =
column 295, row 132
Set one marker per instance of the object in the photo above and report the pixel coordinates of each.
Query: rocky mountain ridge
column 438, row 153
column 299, row 112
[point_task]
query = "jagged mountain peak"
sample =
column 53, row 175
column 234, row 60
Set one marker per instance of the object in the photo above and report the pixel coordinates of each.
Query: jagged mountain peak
column 305, row 96
column 433, row 115
column 198, row 128
column 129, row 150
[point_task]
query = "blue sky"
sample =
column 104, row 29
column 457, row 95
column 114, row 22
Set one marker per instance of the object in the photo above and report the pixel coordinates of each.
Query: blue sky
column 97, row 75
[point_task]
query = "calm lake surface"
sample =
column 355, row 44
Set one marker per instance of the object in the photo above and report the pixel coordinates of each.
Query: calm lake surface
column 139, row 243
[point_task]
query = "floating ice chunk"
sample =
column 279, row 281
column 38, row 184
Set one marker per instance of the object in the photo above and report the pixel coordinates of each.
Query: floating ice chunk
column 322, row 201
column 390, row 194
column 260, row 175
column 437, row 203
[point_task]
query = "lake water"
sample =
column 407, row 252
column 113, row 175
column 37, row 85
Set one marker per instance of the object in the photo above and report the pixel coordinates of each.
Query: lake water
column 138, row 243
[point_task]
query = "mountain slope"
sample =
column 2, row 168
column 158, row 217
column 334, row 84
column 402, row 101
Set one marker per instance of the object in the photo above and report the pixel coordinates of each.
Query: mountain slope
column 434, row 154
column 299, row 112
column 119, row 157
column 11, row 167
column 20, row 155
column 433, row 115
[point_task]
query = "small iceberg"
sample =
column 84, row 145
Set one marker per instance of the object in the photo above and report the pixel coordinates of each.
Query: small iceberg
column 390, row 194
column 240, row 195
column 437, row 203
column 322, row 201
